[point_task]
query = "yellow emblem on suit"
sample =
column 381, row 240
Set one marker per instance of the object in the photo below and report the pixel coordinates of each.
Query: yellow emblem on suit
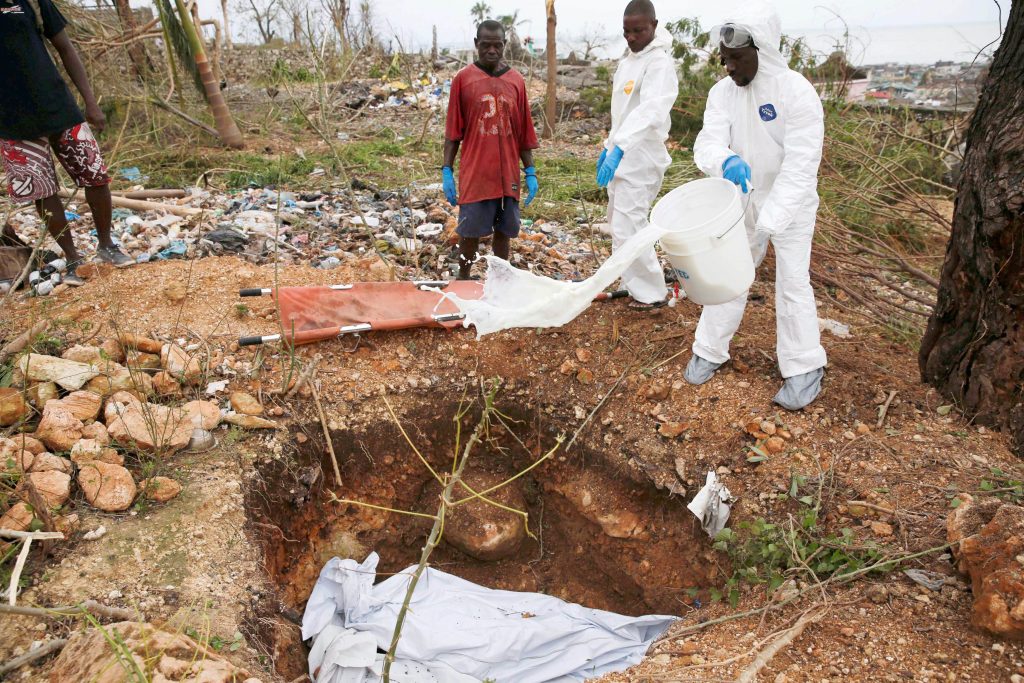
column 628, row 88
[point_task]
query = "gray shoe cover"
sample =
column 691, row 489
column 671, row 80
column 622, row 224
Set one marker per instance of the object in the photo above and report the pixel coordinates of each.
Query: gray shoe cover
column 798, row 392
column 699, row 370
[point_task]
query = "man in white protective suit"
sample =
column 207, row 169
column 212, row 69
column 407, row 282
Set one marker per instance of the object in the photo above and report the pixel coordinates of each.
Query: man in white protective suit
column 634, row 159
column 763, row 130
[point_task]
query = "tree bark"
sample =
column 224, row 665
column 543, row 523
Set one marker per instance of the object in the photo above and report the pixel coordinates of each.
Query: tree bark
column 225, row 125
column 136, row 50
column 227, row 24
column 550, row 104
column 973, row 349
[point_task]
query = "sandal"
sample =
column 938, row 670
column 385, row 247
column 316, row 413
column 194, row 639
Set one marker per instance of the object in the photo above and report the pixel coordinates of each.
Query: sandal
column 641, row 306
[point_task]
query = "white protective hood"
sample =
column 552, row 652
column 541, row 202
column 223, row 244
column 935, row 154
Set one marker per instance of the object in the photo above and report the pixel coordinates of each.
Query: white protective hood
column 762, row 21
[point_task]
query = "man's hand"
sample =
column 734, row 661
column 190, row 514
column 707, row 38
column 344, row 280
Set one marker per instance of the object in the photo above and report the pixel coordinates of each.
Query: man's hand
column 738, row 171
column 448, row 181
column 97, row 120
column 600, row 162
column 531, row 185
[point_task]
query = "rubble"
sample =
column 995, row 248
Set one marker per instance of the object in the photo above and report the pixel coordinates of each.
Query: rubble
column 987, row 539
column 12, row 406
column 107, row 487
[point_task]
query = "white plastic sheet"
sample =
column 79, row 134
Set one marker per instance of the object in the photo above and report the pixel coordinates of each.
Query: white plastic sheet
column 457, row 631
column 518, row 298
column 711, row 505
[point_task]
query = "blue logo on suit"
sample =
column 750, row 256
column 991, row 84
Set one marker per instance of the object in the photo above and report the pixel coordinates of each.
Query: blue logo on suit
column 767, row 112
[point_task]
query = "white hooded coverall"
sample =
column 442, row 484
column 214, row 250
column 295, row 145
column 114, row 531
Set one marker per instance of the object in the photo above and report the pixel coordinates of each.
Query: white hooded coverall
column 775, row 124
column 643, row 92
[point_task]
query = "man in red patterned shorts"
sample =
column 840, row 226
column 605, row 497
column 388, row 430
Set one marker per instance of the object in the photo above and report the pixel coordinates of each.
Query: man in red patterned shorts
column 38, row 114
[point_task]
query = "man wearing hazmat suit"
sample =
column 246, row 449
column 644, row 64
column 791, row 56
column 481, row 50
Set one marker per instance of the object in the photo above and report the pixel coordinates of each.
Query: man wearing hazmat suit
column 634, row 159
column 763, row 130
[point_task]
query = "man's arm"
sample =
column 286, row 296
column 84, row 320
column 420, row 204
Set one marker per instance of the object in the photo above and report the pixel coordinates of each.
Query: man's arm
column 451, row 150
column 711, row 148
column 73, row 65
column 526, row 156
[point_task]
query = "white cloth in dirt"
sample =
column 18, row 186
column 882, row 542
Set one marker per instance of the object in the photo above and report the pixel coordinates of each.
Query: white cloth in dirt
column 458, row 632
column 643, row 91
column 776, row 125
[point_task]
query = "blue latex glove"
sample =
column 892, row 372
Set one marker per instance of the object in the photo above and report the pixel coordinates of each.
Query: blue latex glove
column 600, row 161
column 607, row 170
column 531, row 185
column 736, row 170
column 448, row 181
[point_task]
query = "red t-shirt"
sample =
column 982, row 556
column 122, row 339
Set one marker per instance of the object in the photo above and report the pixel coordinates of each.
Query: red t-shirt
column 490, row 115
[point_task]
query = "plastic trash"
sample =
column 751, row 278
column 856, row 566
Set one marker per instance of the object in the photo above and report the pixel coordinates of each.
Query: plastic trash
column 837, row 328
column 711, row 505
column 131, row 174
column 329, row 263
column 177, row 249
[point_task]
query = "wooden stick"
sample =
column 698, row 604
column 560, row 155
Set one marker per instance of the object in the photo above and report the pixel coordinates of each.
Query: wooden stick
column 139, row 205
column 90, row 606
column 327, row 432
column 32, row 655
column 749, row 674
column 152, row 194
column 33, row 535
column 18, row 566
column 17, row 344
column 885, row 409
column 166, row 106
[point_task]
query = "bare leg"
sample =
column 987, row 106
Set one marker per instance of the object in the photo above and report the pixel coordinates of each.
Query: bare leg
column 101, row 204
column 468, row 247
column 502, row 245
column 51, row 210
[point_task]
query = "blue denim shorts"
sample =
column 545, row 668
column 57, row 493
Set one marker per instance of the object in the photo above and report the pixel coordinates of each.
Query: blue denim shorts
column 480, row 219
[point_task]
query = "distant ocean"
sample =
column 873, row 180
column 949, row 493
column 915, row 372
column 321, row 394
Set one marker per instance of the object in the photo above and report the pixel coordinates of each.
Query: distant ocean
column 907, row 44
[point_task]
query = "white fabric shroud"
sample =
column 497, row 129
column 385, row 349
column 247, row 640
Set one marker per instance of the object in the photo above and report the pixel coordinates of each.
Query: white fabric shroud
column 458, row 632
column 519, row 298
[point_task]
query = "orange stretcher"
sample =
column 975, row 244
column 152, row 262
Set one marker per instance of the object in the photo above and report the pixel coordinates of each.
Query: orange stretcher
column 312, row 314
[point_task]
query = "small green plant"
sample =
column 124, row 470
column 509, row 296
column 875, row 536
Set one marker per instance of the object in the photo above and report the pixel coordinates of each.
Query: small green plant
column 241, row 311
column 764, row 553
column 1003, row 485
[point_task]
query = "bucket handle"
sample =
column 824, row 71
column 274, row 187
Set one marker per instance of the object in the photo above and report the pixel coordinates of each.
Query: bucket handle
column 739, row 220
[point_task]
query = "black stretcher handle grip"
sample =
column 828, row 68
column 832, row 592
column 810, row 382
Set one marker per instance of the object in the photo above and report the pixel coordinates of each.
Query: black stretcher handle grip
column 254, row 291
column 618, row 294
column 250, row 341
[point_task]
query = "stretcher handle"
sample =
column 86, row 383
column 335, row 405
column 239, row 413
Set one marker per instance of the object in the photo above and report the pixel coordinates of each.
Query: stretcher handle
column 250, row 341
column 252, row 291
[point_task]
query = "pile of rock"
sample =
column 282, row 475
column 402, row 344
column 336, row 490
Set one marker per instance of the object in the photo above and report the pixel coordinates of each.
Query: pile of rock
column 90, row 399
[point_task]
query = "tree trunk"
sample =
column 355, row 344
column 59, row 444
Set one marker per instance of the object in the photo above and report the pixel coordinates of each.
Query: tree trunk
column 973, row 350
column 136, row 50
column 551, row 101
column 433, row 47
column 222, row 121
column 227, row 24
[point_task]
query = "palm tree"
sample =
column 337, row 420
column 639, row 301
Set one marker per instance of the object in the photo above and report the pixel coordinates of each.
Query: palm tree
column 550, row 110
column 184, row 39
column 479, row 11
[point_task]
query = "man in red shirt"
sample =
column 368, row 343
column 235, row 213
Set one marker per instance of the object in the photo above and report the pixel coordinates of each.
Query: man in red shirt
column 489, row 118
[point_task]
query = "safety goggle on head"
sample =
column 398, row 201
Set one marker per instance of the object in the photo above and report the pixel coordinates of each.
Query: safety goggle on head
column 732, row 36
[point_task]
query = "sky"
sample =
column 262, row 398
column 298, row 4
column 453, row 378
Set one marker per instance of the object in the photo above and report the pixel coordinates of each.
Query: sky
column 881, row 30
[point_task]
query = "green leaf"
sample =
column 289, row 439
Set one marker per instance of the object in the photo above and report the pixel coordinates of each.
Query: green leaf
column 944, row 410
column 986, row 485
column 955, row 503
column 807, row 500
column 757, row 458
column 716, row 595
column 734, row 597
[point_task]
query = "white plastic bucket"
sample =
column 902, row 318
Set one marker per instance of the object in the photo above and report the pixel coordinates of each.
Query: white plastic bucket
column 707, row 241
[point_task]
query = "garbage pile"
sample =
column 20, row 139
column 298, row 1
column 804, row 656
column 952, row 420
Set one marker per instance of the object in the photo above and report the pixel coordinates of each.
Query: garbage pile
column 409, row 233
